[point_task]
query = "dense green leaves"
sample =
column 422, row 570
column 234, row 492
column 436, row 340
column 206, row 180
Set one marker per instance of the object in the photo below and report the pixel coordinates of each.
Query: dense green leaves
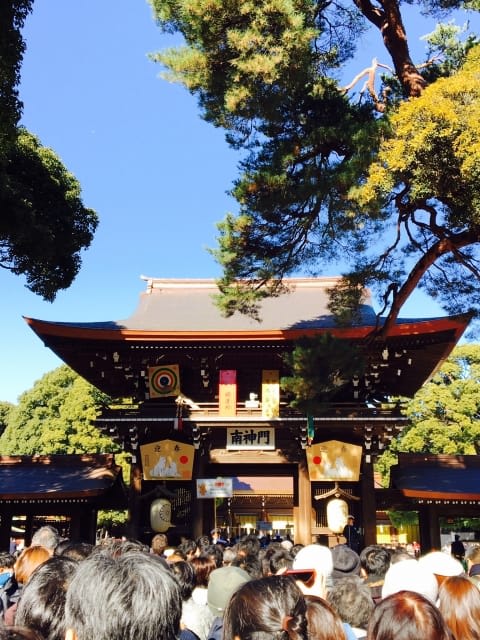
column 320, row 367
column 5, row 410
column 55, row 417
column 44, row 225
column 12, row 47
column 268, row 73
column 445, row 413
column 426, row 175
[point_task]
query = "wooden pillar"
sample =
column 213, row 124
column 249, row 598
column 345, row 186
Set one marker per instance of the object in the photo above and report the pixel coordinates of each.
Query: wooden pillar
column 429, row 529
column 302, row 514
column 198, row 506
column 435, row 529
column 134, row 500
column 28, row 529
column 368, row 504
column 5, row 530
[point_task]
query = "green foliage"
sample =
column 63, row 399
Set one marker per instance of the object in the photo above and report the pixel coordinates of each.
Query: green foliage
column 267, row 72
column 448, row 49
column 55, row 416
column 111, row 519
column 320, row 367
column 5, row 411
column 12, row 47
column 426, row 178
column 444, row 414
column 403, row 518
column 44, row 224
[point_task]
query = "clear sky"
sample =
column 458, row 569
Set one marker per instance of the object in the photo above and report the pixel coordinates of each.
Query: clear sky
column 156, row 174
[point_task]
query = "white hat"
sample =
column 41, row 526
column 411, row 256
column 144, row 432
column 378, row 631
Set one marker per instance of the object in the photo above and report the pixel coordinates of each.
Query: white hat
column 409, row 575
column 314, row 556
column 442, row 564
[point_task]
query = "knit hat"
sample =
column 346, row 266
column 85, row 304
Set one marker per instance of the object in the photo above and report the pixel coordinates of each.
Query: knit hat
column 411, row 576
column 314, row 556
column 345, row 562
column 222, row 584
column 286, row 544
column 441, row 564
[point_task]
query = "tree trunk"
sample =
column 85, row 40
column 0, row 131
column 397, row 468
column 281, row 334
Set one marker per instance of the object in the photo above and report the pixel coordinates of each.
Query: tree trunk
column 388, row 19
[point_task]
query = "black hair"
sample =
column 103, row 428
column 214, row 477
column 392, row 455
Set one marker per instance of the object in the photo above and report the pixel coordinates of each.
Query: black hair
column 184, row 573
column 375, row 560
column 42, row 604
column 271, row 608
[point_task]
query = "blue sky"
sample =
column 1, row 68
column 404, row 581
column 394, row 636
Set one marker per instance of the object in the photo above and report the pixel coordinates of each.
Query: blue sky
column 156, row 174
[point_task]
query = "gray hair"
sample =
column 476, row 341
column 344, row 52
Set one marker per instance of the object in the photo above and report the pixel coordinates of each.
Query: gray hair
column 130, row 597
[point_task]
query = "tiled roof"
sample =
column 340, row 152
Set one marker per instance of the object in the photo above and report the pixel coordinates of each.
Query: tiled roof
column 59, row 478
column 185, row 305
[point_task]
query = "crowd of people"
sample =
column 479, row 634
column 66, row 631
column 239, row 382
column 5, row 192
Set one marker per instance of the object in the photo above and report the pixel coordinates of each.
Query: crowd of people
column 206, row 589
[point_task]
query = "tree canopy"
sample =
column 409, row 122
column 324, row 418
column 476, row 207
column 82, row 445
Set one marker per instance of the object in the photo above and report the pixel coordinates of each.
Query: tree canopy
column 269, row 73
column 44, row 225
column 445, row 413
column 55, row 417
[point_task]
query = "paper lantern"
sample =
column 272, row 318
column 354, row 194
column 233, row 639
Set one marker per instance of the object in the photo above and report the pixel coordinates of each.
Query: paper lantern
column 160, row 515
column 337, row 515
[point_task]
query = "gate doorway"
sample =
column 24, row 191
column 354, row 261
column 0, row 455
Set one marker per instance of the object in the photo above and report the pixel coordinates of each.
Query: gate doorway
column 262, row 503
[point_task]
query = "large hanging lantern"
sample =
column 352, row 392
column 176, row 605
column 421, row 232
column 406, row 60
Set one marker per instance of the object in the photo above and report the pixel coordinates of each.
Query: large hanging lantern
column 337, row 515
column 160, row 515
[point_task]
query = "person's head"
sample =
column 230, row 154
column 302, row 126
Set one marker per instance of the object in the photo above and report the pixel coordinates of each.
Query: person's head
column 188, row 547
column 42, row 605
column 410, row 575
column 184, row 573
column 47, row 537
column 175, row 556
column 442, row 565
column 319, row 558
column 75, row 550
column 346, row 562
column 251, row 564
column 473, row 556
column 459, row 603
column 128, row 597
column 352, row 600
column 271, row 608
column 202, row 543
column 350, row 520
column 215, row 552
column 222, row 585
column 203, row 567
column 159, row 543
column 280, row 561
column 7, row 562
column 407, row 615
column 374, row 561
column 295, row 549
column 323, row 621
column 18, row 633
column 28, row 561
column 116, row 548
column 229, row 556
column 248, row 545
column 399, row 555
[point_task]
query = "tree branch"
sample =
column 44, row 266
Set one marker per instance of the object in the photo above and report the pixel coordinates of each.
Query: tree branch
column 440, row 248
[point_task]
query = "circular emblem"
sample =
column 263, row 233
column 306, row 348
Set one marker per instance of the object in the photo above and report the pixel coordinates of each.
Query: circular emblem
column 164, row 380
